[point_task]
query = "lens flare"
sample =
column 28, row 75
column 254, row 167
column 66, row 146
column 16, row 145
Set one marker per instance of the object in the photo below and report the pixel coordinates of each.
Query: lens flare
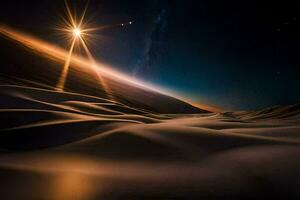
column 77, row 32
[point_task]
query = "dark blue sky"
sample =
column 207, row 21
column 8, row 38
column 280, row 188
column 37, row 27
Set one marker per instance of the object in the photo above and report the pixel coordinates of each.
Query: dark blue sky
column 232, row 54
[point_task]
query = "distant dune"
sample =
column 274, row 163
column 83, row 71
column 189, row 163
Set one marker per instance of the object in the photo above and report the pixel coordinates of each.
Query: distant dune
column 140, row 144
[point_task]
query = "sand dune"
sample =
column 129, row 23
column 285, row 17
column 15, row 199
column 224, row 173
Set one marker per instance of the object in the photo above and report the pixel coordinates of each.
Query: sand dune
column 43, row 70
column 74, row 146
column 141, row 144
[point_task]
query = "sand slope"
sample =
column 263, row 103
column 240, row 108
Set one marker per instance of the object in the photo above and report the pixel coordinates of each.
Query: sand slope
column 38, row 70
column 73, row 146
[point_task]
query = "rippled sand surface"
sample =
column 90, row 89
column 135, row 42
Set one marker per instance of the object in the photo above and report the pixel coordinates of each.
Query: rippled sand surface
column 62, row 145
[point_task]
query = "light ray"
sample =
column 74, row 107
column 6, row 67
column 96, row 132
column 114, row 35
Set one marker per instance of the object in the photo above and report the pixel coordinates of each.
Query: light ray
column 83, row 15
column 61, row 82
column 94, row 68
column 71, row 19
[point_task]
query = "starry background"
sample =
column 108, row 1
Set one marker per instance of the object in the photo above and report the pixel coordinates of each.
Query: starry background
column 231, row 54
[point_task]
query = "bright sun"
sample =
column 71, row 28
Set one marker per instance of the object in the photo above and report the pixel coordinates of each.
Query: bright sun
column 77, row 32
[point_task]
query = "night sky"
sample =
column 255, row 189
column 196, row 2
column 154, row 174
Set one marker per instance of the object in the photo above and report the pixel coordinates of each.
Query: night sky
column 231, row 54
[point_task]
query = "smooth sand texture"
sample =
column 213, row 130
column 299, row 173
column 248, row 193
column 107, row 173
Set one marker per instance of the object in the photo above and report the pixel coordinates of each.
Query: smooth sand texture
column 62, row 145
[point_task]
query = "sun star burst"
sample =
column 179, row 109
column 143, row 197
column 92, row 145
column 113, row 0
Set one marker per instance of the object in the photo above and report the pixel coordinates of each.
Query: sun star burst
column 78, row 32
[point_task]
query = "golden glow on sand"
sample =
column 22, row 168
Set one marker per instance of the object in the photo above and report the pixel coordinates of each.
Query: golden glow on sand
column 71, row 185
column 57, row 53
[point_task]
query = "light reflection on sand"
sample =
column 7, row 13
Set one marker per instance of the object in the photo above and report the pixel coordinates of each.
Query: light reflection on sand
column 72, row 185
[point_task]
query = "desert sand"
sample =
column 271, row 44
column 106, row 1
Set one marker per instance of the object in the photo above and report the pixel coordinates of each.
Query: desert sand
column 82, row 143
column 62, row 145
